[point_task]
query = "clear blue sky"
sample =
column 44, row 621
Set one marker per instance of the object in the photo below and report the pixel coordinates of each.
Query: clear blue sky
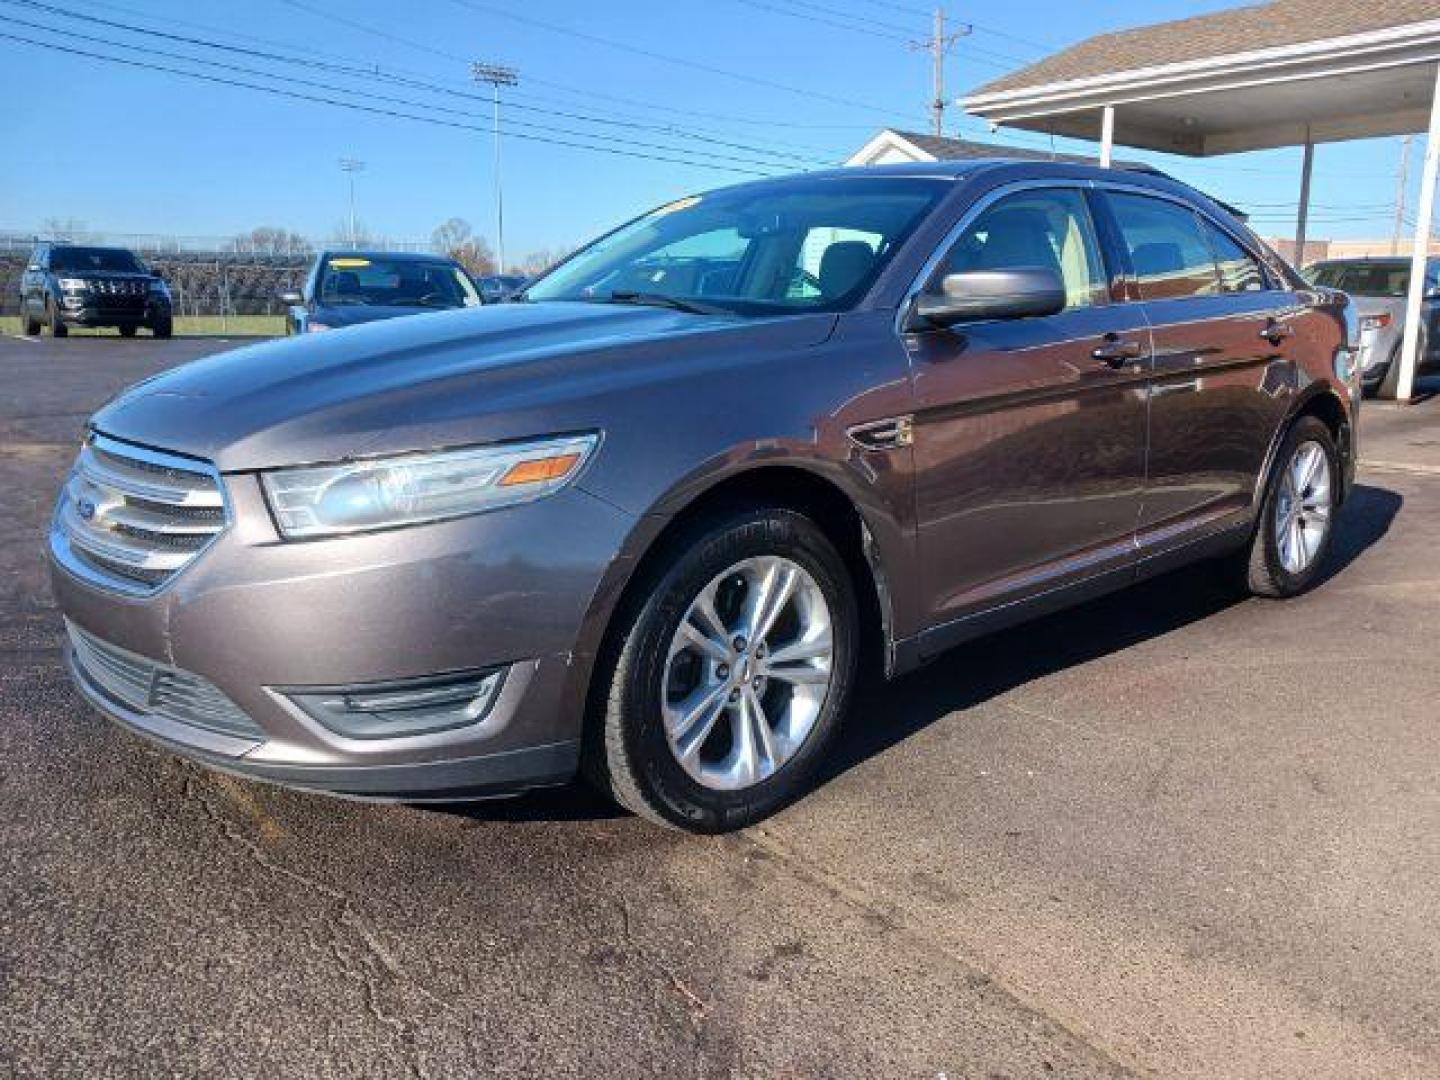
column 122, row 149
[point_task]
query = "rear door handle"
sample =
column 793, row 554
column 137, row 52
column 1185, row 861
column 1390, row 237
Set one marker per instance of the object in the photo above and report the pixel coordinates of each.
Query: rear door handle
column 1276, row 331
column 1117, row 351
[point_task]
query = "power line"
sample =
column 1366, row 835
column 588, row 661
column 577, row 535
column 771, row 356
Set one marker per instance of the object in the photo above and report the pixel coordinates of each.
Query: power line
column 696, row 65
column 373, row 110
column 766, row 157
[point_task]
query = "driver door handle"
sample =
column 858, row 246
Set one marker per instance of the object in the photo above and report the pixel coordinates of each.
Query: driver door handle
column 1276, row 331
column 1115, row 351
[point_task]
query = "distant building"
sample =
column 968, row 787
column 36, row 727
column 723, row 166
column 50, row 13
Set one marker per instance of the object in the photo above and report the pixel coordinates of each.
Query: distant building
column 894, row 147
column 1318, row 250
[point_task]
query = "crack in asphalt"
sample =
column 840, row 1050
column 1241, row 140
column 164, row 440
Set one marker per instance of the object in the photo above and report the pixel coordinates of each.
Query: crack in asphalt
column 345, row 918
column 890, row 914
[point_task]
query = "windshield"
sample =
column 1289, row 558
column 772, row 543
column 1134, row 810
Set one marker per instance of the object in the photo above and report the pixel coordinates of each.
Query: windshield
column 365, row 279
column 806, row 245
column 71, row 260
column 1366, row 278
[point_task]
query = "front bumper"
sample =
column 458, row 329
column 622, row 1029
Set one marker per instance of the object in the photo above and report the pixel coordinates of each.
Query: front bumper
column 515, row 589
column 86, row 311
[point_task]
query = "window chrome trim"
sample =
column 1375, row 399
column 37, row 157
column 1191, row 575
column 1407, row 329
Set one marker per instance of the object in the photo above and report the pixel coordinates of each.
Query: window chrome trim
column 59, row 541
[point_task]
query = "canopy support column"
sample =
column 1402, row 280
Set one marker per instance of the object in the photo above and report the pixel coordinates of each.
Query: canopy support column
column 1419, row 256
column 1107, row 135
column 1302, row 219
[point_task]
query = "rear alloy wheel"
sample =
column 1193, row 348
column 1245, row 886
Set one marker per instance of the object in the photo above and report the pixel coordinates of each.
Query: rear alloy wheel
column 1297, row 519
column 732, row 675
column 127, row 330
column 54, row 321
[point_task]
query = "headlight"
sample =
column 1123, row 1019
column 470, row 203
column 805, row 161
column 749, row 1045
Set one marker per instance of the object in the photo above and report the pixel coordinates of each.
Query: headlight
column 72, row 283
column 312, row 326
column 357, row 496
column 160, row 288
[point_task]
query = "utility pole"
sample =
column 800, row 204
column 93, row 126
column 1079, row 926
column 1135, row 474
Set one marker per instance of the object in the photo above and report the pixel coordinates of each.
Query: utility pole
column 497, row 76
column 1402, row 190
column 350, row 166
column 939, row 44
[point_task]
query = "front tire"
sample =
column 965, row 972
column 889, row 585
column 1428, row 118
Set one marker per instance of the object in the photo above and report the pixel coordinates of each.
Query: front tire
column 127, row 330
column 731, row 671
column 57, row 326
column 1297, row 518
column 31, row 326
column 162, row 328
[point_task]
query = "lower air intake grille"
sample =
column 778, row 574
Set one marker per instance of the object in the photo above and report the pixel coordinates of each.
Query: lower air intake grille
column 152, row 689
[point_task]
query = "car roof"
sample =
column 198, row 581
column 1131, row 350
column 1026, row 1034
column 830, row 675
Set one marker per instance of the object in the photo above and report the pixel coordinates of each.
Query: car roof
column 394, row 256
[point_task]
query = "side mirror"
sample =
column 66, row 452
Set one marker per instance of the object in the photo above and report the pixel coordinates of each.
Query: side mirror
column 292, row 298
column 1023, row 292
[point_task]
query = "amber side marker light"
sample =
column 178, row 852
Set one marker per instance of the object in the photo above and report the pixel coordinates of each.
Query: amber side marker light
column 539, row 470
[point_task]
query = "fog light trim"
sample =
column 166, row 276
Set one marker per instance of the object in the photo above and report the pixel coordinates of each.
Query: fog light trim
column 404, row 708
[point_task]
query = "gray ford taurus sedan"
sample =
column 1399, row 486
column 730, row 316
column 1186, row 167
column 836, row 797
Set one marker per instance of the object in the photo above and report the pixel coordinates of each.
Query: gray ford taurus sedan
column 649, row 521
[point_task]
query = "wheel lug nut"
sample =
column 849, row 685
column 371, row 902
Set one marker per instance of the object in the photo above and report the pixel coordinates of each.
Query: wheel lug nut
column 760, row 650
column 734, row 696
column 740, row 644
column 723, row 671
column 757, row 682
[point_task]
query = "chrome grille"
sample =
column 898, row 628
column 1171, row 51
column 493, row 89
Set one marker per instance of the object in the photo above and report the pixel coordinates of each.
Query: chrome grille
column 105, row 287
column 152, row 689
column 131, row 518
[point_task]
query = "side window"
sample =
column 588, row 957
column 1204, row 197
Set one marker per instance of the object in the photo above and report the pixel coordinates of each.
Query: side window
column 1239, row 272
column 1168, row 250
column 1049, row 228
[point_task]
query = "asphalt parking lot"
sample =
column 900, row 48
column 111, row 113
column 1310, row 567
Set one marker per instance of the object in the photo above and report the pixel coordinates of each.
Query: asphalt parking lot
column 1167, row 833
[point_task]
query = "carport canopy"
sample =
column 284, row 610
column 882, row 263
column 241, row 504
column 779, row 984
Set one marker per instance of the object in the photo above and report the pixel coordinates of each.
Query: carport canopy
column 1285, row 73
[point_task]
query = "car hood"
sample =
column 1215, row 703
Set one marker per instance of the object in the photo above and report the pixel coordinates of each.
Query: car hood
column 448, row 378
column 338, row 315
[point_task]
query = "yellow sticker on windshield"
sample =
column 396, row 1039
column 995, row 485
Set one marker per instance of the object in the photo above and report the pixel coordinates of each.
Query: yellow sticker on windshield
column 348, row 263
column 678, row 204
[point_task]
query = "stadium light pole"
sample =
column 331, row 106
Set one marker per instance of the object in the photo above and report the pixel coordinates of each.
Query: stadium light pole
column 350, row 166
column 497, row 76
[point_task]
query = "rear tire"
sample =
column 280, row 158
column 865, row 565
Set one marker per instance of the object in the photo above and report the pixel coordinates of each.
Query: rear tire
column 127, row 330
column 1297, row 518
column 57, row 326
column 738, row 771
column 162, row 328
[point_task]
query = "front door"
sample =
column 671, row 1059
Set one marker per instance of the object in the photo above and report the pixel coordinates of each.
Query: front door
column 1029, row 434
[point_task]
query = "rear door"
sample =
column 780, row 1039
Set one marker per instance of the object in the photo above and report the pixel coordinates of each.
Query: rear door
column 1029, row 436
column 1223, row 332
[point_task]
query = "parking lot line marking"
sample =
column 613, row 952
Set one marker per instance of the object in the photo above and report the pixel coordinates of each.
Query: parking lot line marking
column 24, row 337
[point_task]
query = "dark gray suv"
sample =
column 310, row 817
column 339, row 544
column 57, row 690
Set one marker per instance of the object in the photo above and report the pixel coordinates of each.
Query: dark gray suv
column 650, row 520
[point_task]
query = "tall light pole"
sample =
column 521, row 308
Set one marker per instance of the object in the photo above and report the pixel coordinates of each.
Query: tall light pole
column 350, row 166
column 497, row 76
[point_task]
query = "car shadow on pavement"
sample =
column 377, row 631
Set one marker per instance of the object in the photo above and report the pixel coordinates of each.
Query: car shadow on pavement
column 990, row 666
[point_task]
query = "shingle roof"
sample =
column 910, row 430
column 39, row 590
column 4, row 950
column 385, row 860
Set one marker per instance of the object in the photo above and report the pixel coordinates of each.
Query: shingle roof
column 944, row 148
column 1279, row 23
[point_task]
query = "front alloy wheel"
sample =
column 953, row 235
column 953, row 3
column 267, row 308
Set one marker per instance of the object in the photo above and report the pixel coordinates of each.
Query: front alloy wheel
column 729, row 668
column 747, row 673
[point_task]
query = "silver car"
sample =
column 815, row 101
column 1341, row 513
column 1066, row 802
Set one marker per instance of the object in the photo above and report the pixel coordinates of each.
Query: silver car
column 1379, row 288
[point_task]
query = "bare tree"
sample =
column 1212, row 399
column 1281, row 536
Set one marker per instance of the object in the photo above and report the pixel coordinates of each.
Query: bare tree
column 68, row 228
column 539, row 261
column 454, row 237
column 269, row 240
